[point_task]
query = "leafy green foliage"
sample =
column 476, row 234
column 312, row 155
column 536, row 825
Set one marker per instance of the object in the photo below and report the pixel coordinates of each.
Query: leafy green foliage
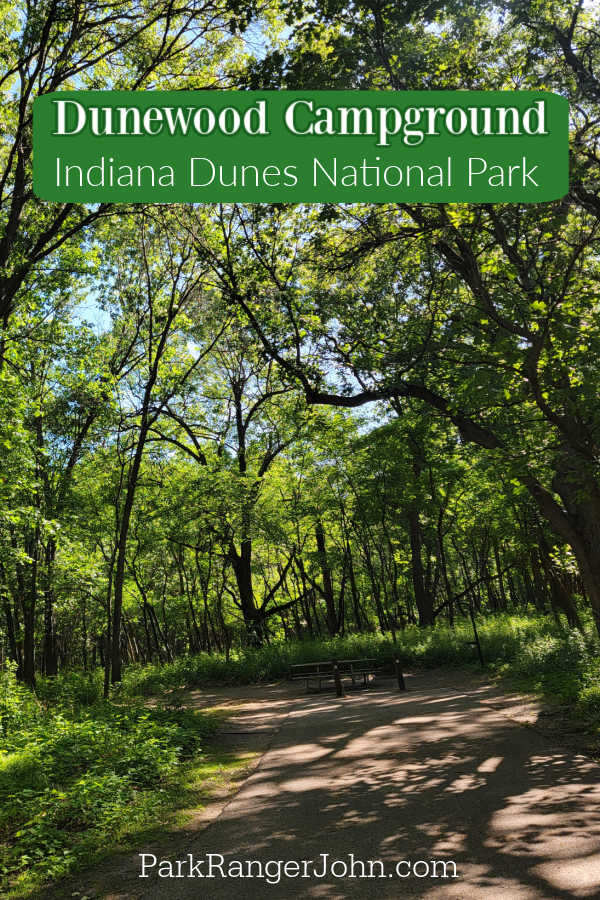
column 18, row 706
column 505, row 639
column 74, row 777
column 176, row 483
column 565, row 667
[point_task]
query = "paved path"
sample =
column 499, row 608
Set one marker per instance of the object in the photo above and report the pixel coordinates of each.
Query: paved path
column 444, row 772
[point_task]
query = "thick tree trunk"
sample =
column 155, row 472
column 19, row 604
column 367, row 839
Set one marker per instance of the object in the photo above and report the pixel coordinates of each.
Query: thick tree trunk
column 242, row 568
column 588, row 559
column 578, row 488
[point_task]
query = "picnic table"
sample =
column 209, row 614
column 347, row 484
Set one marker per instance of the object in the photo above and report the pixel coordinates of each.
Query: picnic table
column 332, row 670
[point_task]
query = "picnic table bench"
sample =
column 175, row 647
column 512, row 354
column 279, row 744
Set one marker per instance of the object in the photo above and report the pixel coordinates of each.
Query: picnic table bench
column 334, row 670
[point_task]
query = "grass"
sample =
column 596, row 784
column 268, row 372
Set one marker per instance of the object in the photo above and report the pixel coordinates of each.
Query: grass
column 78, row 773
column 503, row 639
column 531, row 652
column 564, row 668
column 76, row 777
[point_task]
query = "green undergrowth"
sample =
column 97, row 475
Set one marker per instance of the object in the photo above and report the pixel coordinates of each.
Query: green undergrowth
column 535, row 653
column 78, row 779
column 502, row 638
column 78, row 773
column 564, row 668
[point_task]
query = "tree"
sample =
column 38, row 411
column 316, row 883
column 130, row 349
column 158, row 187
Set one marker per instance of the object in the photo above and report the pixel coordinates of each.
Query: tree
column 252, row 417
column 158, row 286
column 483, row 313
column 53, row 45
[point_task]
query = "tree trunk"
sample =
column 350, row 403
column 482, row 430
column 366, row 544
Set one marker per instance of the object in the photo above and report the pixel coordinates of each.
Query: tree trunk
column 577, row 486
column 242, row 568
column 29, row 603
column 125, row 519
column 422, row 596
column 11, row 624
column 330, row 615
column 50, row 661
column 354, row 590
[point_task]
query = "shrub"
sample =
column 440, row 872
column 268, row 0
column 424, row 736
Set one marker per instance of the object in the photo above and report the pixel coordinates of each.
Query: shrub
column 71, row 688
column 502, row 639
column 74, row 777
column 77, row 771
column 18, row 706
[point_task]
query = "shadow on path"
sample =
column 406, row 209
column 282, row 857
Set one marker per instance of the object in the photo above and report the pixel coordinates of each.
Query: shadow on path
column 439, row 773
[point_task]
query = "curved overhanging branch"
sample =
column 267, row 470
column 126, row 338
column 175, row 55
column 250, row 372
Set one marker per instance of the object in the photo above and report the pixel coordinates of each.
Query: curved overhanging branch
column 470, row 430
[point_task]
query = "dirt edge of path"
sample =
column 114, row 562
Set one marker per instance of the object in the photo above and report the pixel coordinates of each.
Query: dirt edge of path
column 122, row 866
column 249, row 703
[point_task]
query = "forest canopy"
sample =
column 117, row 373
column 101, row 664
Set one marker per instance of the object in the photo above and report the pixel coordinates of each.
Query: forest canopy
column 225, row 425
